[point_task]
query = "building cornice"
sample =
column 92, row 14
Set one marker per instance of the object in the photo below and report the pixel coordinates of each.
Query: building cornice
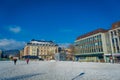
column 92, row 33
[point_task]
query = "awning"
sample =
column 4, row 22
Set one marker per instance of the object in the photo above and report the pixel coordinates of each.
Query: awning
column 116, row 54
column 113, row 54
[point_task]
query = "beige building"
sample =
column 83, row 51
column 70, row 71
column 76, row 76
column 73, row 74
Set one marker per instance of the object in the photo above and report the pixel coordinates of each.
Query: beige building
column 40, row 48
column 21, row 53
column 92, row 46
column 69, row 54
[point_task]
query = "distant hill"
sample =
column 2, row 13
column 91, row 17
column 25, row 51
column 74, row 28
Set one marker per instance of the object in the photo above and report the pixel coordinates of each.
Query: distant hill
column 7, row 53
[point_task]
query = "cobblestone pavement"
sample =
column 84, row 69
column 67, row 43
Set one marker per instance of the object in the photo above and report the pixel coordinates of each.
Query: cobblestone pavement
column 58, row 70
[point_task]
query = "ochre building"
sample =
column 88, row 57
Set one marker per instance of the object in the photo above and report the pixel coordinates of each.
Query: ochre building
column 42, row 49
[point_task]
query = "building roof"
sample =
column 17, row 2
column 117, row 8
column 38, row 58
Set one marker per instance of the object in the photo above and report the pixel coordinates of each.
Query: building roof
column 115, row 25
column 92, row 33
column 41, row 41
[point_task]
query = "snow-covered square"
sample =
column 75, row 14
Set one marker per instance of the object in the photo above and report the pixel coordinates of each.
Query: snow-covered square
column 58, row 70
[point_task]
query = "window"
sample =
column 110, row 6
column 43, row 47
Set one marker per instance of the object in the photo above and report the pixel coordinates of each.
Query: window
column 99, row 50
column 96, row 44
column 118, row 31
column 115, row 33
column 112, row 41
column 95, row 37
column 112, row 34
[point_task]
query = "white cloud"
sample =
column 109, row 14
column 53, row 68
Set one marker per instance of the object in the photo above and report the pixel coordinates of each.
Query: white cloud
column 15, row 29
column 7, row 44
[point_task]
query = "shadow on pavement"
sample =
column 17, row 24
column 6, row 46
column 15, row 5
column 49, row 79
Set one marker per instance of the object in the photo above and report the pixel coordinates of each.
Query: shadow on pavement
column 23, row 76
column 78, row 75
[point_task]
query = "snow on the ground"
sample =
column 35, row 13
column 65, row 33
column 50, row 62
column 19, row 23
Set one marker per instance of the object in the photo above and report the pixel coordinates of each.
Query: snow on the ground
column 58, row 70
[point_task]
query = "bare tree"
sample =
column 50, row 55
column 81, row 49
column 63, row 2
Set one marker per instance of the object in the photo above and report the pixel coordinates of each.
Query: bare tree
column 73, row 49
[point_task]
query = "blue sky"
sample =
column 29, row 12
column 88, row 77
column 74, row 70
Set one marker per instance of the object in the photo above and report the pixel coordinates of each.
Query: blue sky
column 59, row 20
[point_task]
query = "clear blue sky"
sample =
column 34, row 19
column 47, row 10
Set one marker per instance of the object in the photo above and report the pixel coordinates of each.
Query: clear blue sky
column 59, row 20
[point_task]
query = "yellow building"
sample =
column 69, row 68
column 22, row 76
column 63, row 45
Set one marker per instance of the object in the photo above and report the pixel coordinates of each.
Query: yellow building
column 42, row 49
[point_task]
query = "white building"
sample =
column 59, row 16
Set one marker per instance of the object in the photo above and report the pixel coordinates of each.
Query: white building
column 99, row 45
column 92, row 46
column 114, row 33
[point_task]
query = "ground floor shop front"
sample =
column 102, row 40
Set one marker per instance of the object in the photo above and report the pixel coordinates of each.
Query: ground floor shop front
column 99, row 57
column 113, row 57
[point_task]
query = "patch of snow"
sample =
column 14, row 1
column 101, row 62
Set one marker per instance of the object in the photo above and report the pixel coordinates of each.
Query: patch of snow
column 58, row 70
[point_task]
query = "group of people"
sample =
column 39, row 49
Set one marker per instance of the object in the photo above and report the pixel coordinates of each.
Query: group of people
column 15, row 60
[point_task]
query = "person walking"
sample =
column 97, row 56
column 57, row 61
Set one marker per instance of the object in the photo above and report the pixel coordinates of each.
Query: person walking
column 15, row 60
column 27, row 60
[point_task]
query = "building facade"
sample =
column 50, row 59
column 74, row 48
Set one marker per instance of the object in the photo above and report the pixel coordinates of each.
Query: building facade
column 92, row 46
column 114, row 33
column 69, row 54
column 99, row 45
column 21, row 53
column 40, row 48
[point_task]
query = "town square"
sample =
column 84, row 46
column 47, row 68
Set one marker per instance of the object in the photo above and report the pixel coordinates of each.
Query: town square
column 58, row 70
column 59, row 39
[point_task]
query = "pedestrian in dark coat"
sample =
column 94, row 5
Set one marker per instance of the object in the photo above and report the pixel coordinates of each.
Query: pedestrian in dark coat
column 15, row 60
